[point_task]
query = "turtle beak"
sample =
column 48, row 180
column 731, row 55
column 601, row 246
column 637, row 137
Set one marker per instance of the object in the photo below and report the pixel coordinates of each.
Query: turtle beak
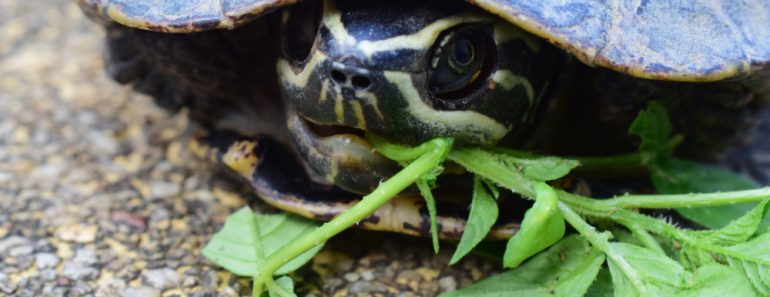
column 340, row 154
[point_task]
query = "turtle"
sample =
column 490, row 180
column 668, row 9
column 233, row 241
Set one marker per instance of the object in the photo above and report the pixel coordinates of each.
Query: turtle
column 284, row 90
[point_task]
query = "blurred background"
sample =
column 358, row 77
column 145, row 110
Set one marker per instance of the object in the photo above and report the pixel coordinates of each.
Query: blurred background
column 99, row 196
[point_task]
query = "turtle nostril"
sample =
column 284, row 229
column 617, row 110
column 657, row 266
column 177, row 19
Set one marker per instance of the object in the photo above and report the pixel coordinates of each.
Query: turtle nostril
column 361, row 82
column 339, row 77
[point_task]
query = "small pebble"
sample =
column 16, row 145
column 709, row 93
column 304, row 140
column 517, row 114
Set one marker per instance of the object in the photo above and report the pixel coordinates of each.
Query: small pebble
column 6, row 286
column 427, row 274
column 367, row 275
column 11, row 242
column 163, row 279
column 80, row 289
column 46, row 260
column 111, row 288
column 189, row 282
column 79, row 233
column 209, row 280
column 159, row 189
column 345, row 265
column 24, row 262
column 48, row 275
column 85, row 256
column 352, row 276
column 136, row 222
column 79, row 271
column 447, row 283
column 407, row 276
column 127, row 273
column 367, row 287
column 21, row 250
column 142, row 291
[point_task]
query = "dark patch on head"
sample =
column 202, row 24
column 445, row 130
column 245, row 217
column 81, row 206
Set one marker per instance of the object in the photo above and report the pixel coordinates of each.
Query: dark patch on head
column 377, row 20
column 402, row 59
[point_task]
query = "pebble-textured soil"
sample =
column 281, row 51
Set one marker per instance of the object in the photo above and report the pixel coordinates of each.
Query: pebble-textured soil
column 99, row 196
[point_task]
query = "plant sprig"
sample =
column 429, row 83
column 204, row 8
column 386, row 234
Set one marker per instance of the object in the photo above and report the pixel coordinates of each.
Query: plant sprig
column 659, row 259
column 695, row 268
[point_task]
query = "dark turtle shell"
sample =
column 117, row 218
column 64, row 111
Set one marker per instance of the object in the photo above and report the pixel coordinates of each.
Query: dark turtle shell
column 181, row 16
column 657, row 39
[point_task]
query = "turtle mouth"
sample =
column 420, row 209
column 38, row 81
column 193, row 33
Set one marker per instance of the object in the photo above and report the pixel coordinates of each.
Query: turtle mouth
column 344, row 159
column 322, row 131
column 339, row 155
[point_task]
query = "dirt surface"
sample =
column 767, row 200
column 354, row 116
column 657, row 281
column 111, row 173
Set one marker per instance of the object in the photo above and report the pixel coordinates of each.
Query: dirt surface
column 99, row 196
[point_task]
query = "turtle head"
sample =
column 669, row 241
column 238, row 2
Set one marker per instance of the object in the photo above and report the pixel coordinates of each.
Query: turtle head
column 408, row 71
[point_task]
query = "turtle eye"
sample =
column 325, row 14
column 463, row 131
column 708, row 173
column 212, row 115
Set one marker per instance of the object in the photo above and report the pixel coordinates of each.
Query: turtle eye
column 461, row 59
column 462, row 52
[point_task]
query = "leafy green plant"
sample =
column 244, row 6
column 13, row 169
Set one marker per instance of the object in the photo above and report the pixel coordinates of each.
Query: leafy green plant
column 656, row 259
column 248, row 239
column 426, row 161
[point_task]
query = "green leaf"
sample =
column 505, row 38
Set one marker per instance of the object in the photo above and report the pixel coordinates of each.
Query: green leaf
column 716, row 280
column 543, row 225
column 754, row 262
column 489, row 166
column 282, row 287
column 637, row 271
column 490, row 249
column 514, row 173
column 565, row 269
column 483, row 216
column 542, row 168
column 430, row 202
column 602, row 286
column 739, row 230
column 247, row 239
column 676, row 176
column 653, row 126
column 747, row 260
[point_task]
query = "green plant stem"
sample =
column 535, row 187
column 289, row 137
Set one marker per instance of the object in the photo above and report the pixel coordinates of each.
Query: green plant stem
column 686, row 200
column 645, row 238
column 641, row 224
column 601, row 242
column 494, row 171
column 397, row 152
column 259, row 255
column 661, row 227
column 597, row 239
column 368, row 205
column 585, row 205
column 602, row 207
column 275, row 288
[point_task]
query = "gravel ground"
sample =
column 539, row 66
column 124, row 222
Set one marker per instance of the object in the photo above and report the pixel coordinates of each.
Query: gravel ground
column 99, row 197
